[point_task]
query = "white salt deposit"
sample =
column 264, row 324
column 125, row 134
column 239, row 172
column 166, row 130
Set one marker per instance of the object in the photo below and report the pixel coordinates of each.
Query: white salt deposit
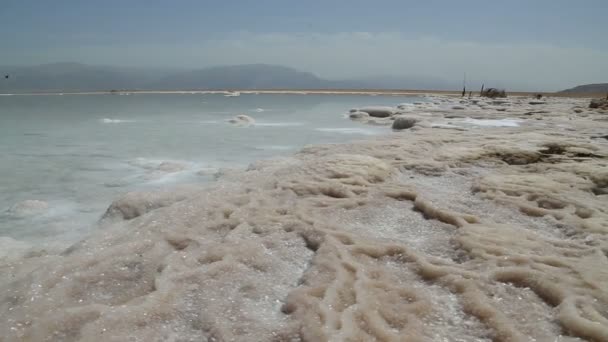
column 493, row 122
column 347, row 130
column 278, row 124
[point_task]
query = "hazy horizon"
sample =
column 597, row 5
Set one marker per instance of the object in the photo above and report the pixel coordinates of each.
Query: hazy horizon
column 547, row 45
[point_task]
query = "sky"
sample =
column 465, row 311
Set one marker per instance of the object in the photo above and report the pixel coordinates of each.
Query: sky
column 532, row 44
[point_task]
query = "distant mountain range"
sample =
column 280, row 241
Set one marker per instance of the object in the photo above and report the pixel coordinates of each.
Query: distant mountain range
column 63, row 77
column 597, row 88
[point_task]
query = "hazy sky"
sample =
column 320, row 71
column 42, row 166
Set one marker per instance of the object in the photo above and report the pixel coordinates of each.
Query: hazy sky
column 528, row 44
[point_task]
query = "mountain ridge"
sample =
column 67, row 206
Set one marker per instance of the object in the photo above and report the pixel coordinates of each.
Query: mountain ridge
column 592, row 88
column 73, row 76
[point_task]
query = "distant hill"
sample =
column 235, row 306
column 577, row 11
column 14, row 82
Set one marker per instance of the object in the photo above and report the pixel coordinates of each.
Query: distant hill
column 250, row 76
column 588, row 89
column 73, row 76
column 64, row 77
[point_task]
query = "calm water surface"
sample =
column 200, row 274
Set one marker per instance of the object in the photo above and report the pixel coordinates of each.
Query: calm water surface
column 78, row 152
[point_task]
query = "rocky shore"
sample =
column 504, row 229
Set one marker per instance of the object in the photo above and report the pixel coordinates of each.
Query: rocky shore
column 471, row 220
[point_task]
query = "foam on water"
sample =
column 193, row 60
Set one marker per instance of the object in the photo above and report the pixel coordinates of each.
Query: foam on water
column 276, row 147
column 278, row 124
column 115, row 121
column 161, row 172
column 471, row 123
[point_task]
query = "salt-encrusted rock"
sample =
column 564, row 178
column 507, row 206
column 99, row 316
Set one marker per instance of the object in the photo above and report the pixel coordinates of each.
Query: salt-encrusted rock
column 378, row 112
column 403, row 122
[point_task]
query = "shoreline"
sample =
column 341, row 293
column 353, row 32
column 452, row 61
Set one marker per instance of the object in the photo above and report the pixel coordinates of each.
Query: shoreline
column 444, row 230
column 371, row 92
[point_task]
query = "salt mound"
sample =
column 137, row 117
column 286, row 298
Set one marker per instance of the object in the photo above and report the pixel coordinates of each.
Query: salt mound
column 171, row 167
column 406, row 106
column 242, row 120
column 134, row 204
column 378, row 111
column 358, row 115
column 402, row 122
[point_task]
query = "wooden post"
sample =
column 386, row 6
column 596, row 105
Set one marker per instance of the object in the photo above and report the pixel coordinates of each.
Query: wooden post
column 481, row 92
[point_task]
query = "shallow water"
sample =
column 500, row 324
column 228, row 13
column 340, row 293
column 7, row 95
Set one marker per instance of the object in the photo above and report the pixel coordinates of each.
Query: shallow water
column 78, row 152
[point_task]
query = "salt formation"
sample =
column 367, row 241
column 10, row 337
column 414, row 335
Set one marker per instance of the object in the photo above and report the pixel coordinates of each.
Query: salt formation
column 356, row 115
column 242, row 120
column 402, row 122
column 171, row 167
column 493, row 233
column 378, row 111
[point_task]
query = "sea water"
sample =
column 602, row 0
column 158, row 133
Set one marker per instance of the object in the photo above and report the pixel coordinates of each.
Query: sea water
column 69, row 156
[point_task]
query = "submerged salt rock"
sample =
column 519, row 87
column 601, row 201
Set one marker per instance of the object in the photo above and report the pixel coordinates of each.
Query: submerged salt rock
column 458, row 107
column 358, row 115
column 535, row 102
column 403, row 122
column 378, row 111
column 29, row 207
column 171, row 167
column 242, row 120
column 209, row 171
column 406, row 106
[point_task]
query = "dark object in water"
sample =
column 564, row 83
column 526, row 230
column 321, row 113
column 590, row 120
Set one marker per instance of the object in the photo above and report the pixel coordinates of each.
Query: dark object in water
column 6, row 76
column 539, row 96
column 493, row 93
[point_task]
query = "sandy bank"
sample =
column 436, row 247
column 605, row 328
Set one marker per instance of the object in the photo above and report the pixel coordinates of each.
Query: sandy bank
column 452, row 230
